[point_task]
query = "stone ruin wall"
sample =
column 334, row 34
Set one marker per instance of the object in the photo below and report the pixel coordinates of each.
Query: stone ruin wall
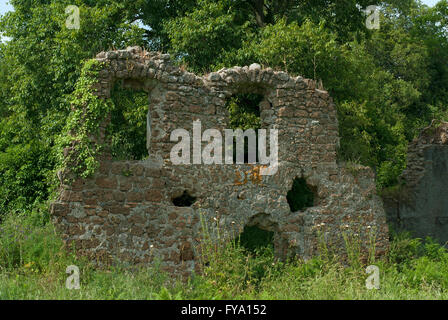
column 420, row 205
column 125, row 211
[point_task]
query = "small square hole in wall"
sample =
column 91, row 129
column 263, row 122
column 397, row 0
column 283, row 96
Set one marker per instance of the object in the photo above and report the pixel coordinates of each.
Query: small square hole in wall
column 184, row 200
column 301, row 195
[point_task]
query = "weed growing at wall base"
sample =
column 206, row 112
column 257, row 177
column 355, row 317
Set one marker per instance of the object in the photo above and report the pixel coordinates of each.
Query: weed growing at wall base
column 33, row 265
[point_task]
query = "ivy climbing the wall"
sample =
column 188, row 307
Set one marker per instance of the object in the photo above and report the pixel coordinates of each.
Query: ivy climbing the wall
column 77, row 147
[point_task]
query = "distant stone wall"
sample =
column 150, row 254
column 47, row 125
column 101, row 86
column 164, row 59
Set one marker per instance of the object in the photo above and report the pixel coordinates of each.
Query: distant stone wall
column 421, row 204
column 126, row 211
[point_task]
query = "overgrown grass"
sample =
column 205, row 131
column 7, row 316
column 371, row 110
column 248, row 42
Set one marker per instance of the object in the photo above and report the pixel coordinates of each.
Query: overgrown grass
column 33, row 261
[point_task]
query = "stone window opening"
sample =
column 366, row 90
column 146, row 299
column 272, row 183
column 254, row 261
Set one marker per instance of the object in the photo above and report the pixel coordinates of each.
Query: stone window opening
column 129, row 131
column 244, row 112
column 302, row 195
column 184, row 200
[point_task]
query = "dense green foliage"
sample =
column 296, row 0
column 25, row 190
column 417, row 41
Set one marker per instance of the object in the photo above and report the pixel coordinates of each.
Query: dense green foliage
column 74, row 147
column 33, row 262
column 386, row 84
column 253, row 238
column 244, row 111
column 39, row 67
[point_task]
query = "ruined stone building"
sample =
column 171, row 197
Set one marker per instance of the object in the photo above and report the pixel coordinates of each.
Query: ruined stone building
column 127, row 211
column 420, row 204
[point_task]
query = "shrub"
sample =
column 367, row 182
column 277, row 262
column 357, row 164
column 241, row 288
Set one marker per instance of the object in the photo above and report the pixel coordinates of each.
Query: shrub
column 25, row 176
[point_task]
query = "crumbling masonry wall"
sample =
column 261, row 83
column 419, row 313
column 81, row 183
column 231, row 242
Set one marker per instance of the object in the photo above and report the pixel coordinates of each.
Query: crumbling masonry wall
column 125, row 211
column 420, row 204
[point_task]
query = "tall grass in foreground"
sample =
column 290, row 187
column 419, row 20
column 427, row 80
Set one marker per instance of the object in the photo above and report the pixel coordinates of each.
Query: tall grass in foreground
column 33, row 261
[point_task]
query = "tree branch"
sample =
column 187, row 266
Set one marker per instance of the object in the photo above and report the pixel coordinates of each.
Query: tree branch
column 258, row 6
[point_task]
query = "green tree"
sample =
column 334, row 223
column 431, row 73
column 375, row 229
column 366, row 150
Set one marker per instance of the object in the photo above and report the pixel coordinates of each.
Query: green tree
column 386, row 83
column 40, row 65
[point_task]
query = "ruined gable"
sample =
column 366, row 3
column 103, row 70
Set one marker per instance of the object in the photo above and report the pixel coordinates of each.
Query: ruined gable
column 127, row 210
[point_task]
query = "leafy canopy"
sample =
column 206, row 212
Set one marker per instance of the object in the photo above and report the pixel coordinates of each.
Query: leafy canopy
column 386, row 83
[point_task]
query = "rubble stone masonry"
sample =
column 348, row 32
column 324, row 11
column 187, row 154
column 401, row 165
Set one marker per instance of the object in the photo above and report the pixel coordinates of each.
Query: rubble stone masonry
column 420, row 204
column 125, row 212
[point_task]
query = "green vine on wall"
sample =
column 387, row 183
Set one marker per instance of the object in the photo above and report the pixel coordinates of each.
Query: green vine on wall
column 78, row 150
